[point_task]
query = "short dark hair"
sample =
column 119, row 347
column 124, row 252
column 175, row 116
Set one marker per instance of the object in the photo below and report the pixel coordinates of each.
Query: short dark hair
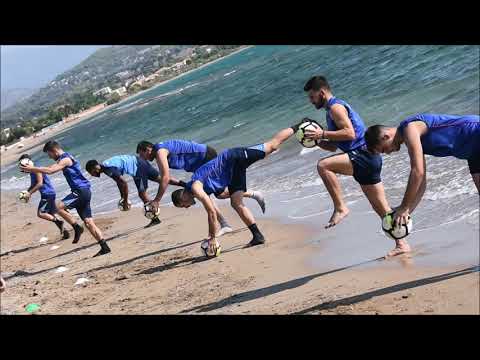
column 91, row 164
column 24, row 156
column 50, row 145
column 373, row 136
column 143, row 145
column 316, row 83
column 176, row 197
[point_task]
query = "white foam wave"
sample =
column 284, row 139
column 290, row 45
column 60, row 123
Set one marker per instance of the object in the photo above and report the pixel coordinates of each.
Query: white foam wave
column 230, row 73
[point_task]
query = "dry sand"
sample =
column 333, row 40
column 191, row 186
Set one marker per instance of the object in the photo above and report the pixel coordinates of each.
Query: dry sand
column 160, row 271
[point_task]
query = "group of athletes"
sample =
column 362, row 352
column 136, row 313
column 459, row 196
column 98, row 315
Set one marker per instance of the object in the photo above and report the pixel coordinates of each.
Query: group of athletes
column 224, row 175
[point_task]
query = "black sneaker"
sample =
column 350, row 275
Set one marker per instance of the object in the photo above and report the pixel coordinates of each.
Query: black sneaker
column 154, row 222
column 65, row 234
column 257, row 240
column 102, row 251
column 78, row 232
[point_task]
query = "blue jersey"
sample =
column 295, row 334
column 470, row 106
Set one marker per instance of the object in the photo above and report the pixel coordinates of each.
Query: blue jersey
column 449, row 135
column 46, row 189
column 73, row 173
column 184, row 155
column 216, row 174
column 357, row 123
column 125, row 164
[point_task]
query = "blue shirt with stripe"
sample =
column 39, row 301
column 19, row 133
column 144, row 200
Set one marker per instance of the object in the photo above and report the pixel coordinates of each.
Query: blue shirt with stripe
column 183, row 155
column 73, row 174
column 448, row 135
column 125, row 164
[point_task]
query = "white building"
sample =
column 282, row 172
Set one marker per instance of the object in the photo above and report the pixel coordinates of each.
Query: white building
column 120, row 91
column 7, row 132
column 103, row 91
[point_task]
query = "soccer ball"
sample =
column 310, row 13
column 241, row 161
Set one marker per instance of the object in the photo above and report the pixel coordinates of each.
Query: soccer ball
column 398, row 232
column 120, row 204
column 25, row 162
column 148, row 211
column 23, row 196
column 307, row 124
column 206, row 251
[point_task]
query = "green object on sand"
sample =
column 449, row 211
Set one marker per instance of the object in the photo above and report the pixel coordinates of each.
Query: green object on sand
column 31, row 308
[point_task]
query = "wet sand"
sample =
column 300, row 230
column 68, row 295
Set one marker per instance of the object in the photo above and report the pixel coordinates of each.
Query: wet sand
column 160, row 271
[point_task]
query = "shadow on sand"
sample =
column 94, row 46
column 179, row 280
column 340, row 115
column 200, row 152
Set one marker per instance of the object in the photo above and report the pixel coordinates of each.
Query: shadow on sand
column 329, row 305
column 266, row 291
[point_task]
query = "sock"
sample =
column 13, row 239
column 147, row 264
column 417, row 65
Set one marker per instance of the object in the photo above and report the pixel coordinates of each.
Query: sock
column 58, row 222
column 76, row 227
column 255, row 232
column 103, row 245
column 223, row 222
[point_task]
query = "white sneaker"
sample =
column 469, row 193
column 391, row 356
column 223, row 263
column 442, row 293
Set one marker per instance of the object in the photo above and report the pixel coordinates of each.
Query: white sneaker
column 224, row 230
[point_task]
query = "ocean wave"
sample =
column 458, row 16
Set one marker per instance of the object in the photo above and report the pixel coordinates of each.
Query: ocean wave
column 230, row 73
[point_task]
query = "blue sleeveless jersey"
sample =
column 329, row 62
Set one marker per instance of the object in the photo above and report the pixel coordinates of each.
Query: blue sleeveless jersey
column 73, row 173
column 126, row 164
column 357, row 122
column 185, row 155
column 47, row 187
column 449, row 135
column 216, row 174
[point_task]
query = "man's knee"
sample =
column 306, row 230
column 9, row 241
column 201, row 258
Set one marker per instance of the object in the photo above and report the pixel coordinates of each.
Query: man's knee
column 236, row 200
column 89, row 223
column 322, row 166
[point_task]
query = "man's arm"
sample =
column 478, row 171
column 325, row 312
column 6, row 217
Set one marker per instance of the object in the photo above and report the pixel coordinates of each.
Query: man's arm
column 345, row 130
column 413, row 192
column 38, row 185
column 123, row 188
column 52, row 169
column 201, row 195
column 176, row 182
column 162, row 163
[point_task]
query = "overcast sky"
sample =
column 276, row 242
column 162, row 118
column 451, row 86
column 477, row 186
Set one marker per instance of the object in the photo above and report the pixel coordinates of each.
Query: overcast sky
column 33, row 66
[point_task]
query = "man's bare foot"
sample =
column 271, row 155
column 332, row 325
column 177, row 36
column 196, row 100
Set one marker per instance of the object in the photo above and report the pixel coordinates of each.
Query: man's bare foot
column 402, row 247
column 337, row 216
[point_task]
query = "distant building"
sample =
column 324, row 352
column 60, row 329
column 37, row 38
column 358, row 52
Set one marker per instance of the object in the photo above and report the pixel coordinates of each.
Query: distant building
column 140, row 77
column 120, row 91
column 7, row 132
column 208, row 50
column 123, row 74
column 103, row 91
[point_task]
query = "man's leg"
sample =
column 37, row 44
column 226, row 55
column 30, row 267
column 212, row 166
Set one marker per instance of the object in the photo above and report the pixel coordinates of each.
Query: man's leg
column 277, row 140
column 62, row 211
column 476, row 180
column 246, row 215
column 97, row 234
column 327, row 169
column 224, row 226
column 255, row 195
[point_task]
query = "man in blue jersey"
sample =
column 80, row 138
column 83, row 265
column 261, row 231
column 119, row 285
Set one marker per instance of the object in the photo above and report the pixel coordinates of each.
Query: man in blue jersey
column 46, row 207
column 225, row 176
column 188, row 156
column 78, row 199
column 345, row 131
column 117, row 166
column 431, row 134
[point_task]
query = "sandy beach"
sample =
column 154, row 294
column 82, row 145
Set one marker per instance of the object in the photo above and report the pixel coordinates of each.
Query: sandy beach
column 159, row 270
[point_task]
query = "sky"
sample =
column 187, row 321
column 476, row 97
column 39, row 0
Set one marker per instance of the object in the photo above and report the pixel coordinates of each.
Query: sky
column 33, row 66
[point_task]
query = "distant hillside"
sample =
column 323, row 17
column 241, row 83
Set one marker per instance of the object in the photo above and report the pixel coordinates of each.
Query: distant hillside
column 12, row 96
column 109, row 66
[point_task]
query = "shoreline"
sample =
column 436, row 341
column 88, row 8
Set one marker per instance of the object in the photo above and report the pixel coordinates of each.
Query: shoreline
column 33, row 143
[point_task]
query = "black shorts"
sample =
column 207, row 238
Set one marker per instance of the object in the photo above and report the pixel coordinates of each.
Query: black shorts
column 47, row 204
column 79, row 200
column 145, row 172
column 474, row 165
column 367, row 167
column 242, row 159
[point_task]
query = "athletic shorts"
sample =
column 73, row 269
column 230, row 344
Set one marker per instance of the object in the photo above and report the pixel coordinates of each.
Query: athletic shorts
column 367, row 167
column 47, row 204
column 243, row 158
column 79, row 200
column 145, row 172
column 474, row 165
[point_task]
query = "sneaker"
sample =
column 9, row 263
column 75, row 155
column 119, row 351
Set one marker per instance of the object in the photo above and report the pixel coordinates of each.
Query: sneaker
column 224, row 230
